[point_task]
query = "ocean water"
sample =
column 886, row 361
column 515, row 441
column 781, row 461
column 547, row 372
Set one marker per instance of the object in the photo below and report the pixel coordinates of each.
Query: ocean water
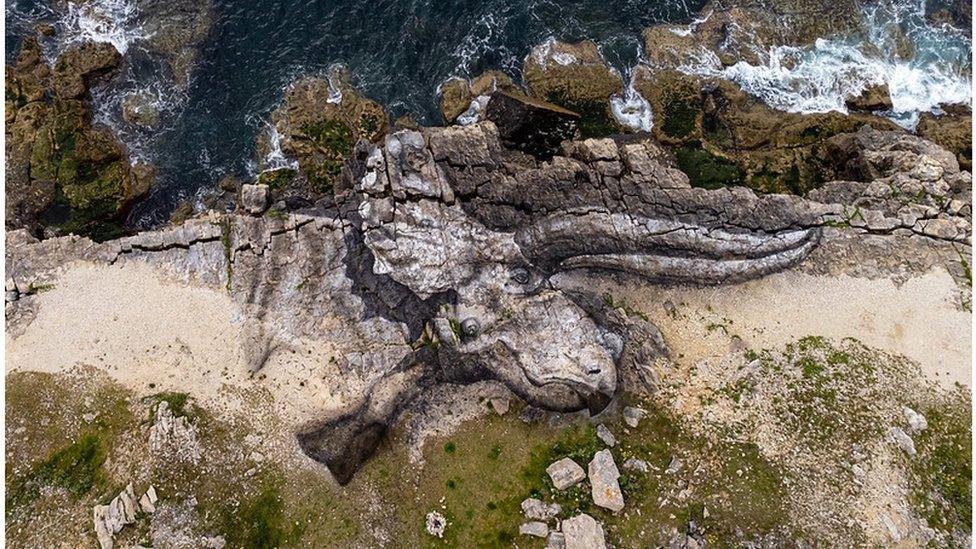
column 399, row 51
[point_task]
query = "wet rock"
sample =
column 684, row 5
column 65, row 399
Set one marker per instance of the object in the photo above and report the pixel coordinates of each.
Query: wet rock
column 565, row 473
column 583, row 532
column 576, row 77
column 632, row 415
column 469, row 97
column 604, row 434
column 176, row 29
column 530, row 125
column 951, row 129
column 139, row 108
column 535, row 528
column 319, row 123
column 63, row 176
column 79, row 66
column 255, row 198
column 436, row 524
column 603, row 476
column 872, row 98
column 537, row 509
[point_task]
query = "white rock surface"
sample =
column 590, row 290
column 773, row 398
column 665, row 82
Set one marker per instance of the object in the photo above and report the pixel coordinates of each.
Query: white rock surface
column 565, row 473
column 583, row 532
column 605, row 488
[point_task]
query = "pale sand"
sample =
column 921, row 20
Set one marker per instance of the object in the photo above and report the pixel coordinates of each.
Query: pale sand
column 144, row 330
column 919, row 319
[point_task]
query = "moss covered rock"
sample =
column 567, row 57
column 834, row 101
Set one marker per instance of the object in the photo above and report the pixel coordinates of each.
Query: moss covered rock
column 575, row 77
column 320, row 122
column 952, row 129
column 728, row 137
column 63, row 176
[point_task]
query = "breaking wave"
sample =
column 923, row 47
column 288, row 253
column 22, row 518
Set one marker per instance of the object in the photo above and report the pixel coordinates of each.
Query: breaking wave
column 923, row 65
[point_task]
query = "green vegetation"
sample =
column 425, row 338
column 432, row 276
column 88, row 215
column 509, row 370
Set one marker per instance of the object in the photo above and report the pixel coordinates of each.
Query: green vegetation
column 76, row 467
column 679, row 110
column 259, row 521
column 277, row 180
column 705, row 169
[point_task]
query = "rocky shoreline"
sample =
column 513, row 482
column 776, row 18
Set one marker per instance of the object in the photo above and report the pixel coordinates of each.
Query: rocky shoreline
column 379, row 281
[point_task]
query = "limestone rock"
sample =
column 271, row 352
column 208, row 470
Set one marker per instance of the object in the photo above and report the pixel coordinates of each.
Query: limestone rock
column 173, row 436
column 500, row 405
column 603, row 476
column 536, row 509
column 255, row 198
column 565, row 473
column 632, row 416
column 463, row 101
column 916, row 421
column 951, row 129
column 77, row 67
column 902, row 440
column 557, row 540
column 634, row 464
column 436, row 524
column 110, row 519
column 604, row 434
column 583, row 532
column 535, row 528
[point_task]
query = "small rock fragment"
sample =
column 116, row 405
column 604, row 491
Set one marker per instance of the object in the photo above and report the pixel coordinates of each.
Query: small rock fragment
column 500, row 405
column 557, row 540
column 632, row 416
column 565, row 473
column 903, row 441
column 583, row 532
column 634, row 464
column 539, row 510
column 534, row 528
column 674, row 466
column 436, row 523
column 605, row 435
column 916, row 421
column 603, row 475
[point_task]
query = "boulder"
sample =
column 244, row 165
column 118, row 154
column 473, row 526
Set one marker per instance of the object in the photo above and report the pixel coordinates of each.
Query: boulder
column 632, row 416
column 565, row 473
column 535, row 529
column 139, row 108
column 468, row 97
column 725, row 136
column 872, row 98
column 583, row 532
column 536, row 509
column 436, row 524
column 255, row 198
column 604, row 485
column 78, row 66
column 576, row 77
column 532, row 126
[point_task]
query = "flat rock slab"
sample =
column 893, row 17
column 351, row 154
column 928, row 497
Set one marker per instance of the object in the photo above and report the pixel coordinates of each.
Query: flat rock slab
column 603, row 479
column 583, row 532
column 534, row 528
column 537, row 509
column 565, row 473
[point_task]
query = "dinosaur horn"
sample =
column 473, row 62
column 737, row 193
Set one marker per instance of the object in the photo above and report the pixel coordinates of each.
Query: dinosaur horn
column 668, row 250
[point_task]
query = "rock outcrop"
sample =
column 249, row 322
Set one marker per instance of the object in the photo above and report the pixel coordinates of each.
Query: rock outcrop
column 443, row 252
column 463, row 101
column 952, row 129
column 319, row 122
column 64, row 176
column 576, row 77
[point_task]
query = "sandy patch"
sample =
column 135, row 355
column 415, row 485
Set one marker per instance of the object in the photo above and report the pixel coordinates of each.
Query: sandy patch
column 919, row 319
column 152, row 335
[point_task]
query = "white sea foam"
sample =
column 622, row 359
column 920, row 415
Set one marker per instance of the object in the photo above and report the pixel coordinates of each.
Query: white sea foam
column 475, row 111
column 112, row 21
column 820, row 78
column 632, row 110
column 276, row 159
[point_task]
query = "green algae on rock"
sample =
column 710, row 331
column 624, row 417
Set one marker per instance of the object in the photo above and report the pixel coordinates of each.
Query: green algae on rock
column 63, row 174
column 575, row 77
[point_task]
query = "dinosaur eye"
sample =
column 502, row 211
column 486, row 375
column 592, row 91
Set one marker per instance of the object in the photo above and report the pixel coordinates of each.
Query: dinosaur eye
column 470, row 327
column 520, row 275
